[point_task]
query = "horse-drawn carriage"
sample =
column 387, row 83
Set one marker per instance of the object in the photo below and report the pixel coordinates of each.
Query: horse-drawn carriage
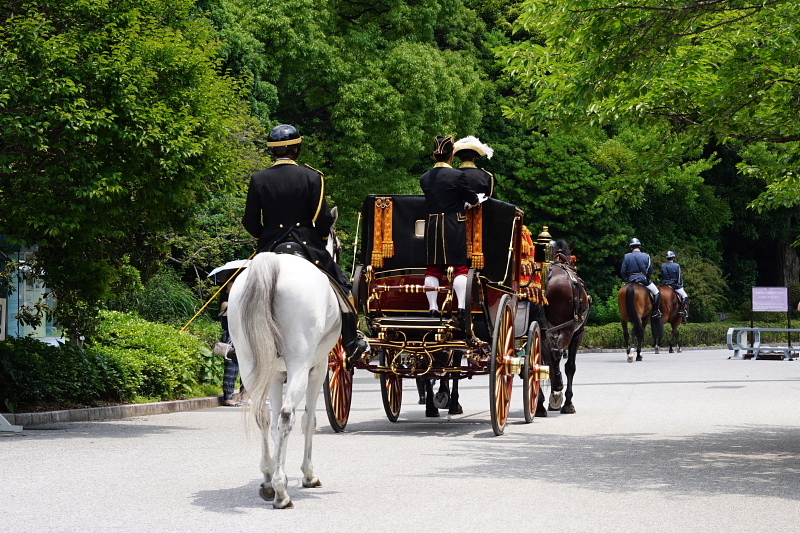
column 497, row 335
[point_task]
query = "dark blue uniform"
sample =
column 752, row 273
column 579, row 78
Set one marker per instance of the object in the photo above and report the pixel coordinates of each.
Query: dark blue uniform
column 637, row 267
column 671, row 275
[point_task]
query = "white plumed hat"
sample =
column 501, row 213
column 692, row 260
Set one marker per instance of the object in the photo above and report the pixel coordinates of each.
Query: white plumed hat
column 473, row 143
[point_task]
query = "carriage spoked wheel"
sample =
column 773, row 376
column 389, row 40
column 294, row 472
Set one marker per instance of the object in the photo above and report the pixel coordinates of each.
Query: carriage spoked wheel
column 338, row 389
column 501, row 376
column 391, row 391
column 531, row 383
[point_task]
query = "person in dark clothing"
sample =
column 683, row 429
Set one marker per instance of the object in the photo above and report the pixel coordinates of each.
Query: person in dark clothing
column 447, row 194
column 468, row 150
column 671, row 275
column 286, row 203
column 637, row 268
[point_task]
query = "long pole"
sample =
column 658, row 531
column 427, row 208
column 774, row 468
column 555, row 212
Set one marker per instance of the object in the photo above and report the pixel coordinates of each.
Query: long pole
column 185, row 328
column 355, row 247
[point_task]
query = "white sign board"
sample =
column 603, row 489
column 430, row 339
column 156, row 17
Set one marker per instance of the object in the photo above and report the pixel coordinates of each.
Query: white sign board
column 774, row 299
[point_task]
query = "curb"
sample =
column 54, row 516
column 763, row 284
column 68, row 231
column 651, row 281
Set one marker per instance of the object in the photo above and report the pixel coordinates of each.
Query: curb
column 650, row 349
column 110, row 412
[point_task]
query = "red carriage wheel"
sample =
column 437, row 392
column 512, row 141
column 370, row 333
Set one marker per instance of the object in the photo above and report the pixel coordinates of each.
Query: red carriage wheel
column 338, row 389
column 501, row 376
column 531, row 383
column 391, row 391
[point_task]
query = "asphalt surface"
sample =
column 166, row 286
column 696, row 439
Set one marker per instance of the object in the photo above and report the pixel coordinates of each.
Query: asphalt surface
column 678, row 442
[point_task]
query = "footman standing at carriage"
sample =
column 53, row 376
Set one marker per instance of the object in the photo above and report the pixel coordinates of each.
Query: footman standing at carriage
column 468, row 150
column 671, row 275
column 286, row 203
column 637, row 268
column 447, row 194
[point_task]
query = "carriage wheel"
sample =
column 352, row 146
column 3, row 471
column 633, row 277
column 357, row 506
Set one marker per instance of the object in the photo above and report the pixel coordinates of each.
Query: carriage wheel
column 501, row 378
column 391, row 391
column 338, row 389
column 531, row 384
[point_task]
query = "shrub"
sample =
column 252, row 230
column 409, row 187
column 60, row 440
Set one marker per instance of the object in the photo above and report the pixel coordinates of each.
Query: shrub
column 129, row 358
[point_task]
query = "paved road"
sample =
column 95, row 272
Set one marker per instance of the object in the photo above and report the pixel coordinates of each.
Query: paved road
column 682, row 442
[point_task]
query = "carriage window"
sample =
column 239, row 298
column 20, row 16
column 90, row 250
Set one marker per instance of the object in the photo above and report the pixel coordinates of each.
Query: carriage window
column 419, row 228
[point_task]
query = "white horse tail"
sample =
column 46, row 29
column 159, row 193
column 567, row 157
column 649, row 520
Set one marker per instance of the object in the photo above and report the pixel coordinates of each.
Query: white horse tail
column 259, row 329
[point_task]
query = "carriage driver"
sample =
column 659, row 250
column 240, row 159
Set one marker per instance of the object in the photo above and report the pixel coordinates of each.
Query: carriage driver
column 286, row 203
column 468, row 150
column 671, row 275
column 637, row 267
column 447, row 194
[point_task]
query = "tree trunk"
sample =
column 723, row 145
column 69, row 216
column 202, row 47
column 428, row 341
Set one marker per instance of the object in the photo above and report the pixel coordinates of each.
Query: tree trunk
column 790, row 264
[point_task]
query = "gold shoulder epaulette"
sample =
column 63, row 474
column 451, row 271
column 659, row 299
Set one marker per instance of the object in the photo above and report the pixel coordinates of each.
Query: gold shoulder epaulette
column 315, row 170
column 492, row 175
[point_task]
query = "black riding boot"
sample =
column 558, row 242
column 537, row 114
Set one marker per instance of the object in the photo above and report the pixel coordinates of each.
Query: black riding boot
column 683, row 312
column 353, row 341
column 656, row 305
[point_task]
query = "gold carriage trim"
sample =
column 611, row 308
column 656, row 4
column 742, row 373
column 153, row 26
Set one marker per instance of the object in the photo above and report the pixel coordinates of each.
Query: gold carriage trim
column 530, row 272
column 382, row 243
column 475, row 236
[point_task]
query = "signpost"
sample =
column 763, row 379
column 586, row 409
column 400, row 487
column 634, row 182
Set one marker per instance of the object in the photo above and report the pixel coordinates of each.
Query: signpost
column 775, row 300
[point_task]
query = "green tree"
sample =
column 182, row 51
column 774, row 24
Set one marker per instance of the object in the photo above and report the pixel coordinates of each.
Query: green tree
column 721, row 71
column 115, row 121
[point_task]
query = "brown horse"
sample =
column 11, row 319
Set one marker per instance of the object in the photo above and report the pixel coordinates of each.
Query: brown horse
column 635, row 306
column 670, row 306
column 566, row 312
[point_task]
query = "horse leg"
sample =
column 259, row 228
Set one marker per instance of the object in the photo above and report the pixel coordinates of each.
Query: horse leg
column 309, row 423
column 296, row 388
column 639, row 343
column 421, row 390
column 569, row 368
column 443, row 396
column 628, row 343
column 455, row 407
column 430, row 408
column 556, row 381
column 675, row 334
column 267, row 419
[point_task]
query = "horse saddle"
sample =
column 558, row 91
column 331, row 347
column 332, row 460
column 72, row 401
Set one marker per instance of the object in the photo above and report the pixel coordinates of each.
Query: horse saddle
column 291, row 248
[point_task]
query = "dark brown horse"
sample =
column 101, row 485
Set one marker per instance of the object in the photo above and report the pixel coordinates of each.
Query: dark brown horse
column 566, row 312
column 635, row 306
column 670, row 306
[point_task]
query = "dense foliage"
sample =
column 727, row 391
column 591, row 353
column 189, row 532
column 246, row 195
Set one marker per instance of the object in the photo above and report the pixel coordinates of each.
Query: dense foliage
column 130, row 359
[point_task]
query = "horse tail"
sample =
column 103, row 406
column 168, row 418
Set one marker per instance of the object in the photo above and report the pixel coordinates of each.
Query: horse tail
column 260, row 329
column 633, row 315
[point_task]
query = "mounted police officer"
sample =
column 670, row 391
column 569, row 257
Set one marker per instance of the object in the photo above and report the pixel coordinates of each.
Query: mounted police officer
column 637, row 268
column 286, row 204
column 671, row 275
column 447, row 194
column 468, row 150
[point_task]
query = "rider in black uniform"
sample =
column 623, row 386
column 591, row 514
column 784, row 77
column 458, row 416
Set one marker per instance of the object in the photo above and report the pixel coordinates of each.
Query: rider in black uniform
column 468, row 150
column 286, row 203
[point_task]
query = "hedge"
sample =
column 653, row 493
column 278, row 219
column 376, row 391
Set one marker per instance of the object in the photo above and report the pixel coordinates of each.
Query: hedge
column 129, row 358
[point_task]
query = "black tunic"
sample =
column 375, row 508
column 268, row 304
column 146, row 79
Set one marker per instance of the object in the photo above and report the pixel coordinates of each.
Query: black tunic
column 286, row 202
column 446, row 190
column 480, row 180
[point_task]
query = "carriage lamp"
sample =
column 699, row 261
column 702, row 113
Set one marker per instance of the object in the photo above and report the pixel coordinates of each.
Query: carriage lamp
column 543, row 249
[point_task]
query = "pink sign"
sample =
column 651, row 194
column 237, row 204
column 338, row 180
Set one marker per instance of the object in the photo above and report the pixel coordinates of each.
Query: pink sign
column 771, row 299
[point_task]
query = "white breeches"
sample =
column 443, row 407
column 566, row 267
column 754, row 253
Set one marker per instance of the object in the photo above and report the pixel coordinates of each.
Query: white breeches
column 652, row 288
column 682, row 293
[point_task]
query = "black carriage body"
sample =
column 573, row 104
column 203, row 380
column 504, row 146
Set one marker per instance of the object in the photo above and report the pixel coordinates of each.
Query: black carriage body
column 400, row 221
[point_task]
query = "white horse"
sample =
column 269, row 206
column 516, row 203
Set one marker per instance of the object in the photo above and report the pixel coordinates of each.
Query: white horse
column 284, row 318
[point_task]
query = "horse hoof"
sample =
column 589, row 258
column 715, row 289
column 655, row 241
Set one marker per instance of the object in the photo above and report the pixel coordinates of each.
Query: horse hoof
column 455, row 410
column 638, row 357
column 656, row 350
column 680, row 350
column 441, row 400
column 541, row 412
column 312, row 483
column 556, row 400
column 630, row 358
column 267, row 493
column 568, row 410
column 670, row 351
column 286, row 504
column 432, row 414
